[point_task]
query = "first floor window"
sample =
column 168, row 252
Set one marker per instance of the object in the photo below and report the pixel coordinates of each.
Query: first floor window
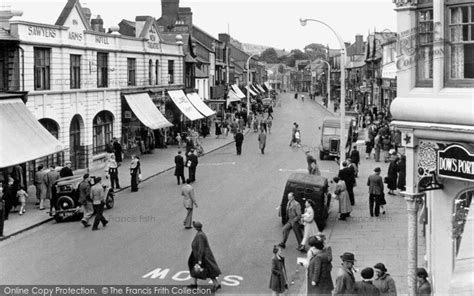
column 42, row 68
column 102, row 69
column 170, row 72
column 424, row 64
column 102, row 131
column 75, row 65
column 131, row 71
column 157, row 72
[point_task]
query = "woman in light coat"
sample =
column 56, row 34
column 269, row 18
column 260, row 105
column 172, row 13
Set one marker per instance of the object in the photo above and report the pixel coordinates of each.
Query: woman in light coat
column 342, row 196
column 310, row 226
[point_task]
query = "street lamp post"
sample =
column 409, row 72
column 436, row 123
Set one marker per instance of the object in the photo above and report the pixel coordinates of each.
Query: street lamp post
column 248, row 84
column 342, row 107
column 329, row 82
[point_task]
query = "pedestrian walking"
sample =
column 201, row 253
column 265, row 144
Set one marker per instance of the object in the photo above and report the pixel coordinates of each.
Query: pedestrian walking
column 392, row 175
column 366, row 287
column 298, row 137
column 319, row 280
column 98, row 192
column 278, row 277
column 179, row 168
column 66, row 171
column 386, row 142
column 269, row 125
column 347, row 174
column 296, row 96
column 8, row 197
column 201, row 262
column 192, row 163
column 423, row 286
column 218, row 131
column 40, row 187
column 368, row 144
column 118, row 151
column 262, row 141
column 309, row 160
column 85, row 200
column 263, row 124
column 239, row 139
column 270, row 112
column 377, row 147
column 375, row 184
column 302, row 98
column 342, row 196
column 383, row 281
column 309, row 255
column 293, row 217
column 189, row 202
column 293, row 131
column 314, row 169
column 135, row 172
column 22, row 197
column 111, row 170
column 345, row 280
column 50, row 178
column 355, row 156
column 402, row 174
column 309, row 224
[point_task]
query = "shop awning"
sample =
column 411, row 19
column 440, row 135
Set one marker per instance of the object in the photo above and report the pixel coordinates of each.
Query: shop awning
column 23, row 137
column 232, row 97
column 260, row 88
column 255, row 90
column 269, row 87
column 182, row 102
column 237, row 91
column 249, row 89
column 200, row 105
column 143, row 107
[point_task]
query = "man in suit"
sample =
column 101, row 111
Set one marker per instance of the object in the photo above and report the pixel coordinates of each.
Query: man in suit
column 66, row 171
column 366, row 287
column 355, row 158
column 375, row 184
column 117, row 151
column 239, row 139
column 40, row 186
column 179, row 169
column 347, row 174
column 49, row 179
column 85, row 200
column 189, row 202
column 98, row 201
column 293, row 215
column 319, row 270
column 345, row 280
column 192, row 157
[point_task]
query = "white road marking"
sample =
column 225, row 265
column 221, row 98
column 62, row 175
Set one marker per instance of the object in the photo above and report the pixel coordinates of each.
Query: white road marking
column 230, row 280
column 218, row 163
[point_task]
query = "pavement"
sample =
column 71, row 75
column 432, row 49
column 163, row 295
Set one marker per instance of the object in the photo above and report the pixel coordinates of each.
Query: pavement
column 158, row 162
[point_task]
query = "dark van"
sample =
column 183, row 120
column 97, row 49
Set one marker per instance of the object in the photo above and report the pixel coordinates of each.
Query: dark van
column 330, row 136
column 305, row 186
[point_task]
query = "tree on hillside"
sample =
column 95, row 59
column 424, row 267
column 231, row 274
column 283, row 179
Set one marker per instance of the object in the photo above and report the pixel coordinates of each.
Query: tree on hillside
column 315, row 51
column 269, row 55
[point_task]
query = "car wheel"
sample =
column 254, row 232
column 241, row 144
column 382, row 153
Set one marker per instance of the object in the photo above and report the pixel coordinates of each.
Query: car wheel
column 110, row 200
column 64, row 203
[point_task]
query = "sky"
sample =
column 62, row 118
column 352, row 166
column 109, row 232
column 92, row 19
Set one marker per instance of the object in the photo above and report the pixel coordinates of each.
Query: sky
column 262, row 22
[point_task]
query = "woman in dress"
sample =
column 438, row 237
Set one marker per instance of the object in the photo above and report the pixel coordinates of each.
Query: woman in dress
column 392, row 175
column 278, row 278
column 135, row 171
column 342, row 196
column 310, row 226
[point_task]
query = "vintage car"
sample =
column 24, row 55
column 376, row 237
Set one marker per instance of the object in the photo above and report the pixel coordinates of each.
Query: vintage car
column 67, row 195
column 305, row 186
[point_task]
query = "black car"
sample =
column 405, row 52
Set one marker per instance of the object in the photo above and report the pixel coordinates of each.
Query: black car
column 67, row 195
column 305, row 186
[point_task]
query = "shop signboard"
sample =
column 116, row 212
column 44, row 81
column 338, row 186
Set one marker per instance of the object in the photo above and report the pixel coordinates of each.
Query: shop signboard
column 456, row 162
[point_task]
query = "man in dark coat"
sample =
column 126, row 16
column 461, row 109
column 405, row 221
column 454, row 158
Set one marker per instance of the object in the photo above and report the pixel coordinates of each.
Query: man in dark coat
column 50, row 178
column 392, row 175
column 347, row 174
column 345, row 280
column 355, row 157
column 375, row 184
column 319, row 272
column 8, row 197
column 117, row 151
column 202, row 258
column 239, row 139
column 366, row 287
column 193, row 159
column 179, row 169
column 66, row 171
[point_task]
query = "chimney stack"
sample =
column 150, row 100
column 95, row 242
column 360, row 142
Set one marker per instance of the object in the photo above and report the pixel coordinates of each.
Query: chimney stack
column 359, row 44
column 98, row 24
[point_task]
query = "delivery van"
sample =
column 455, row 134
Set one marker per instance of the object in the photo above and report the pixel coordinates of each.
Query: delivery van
column 330, row 136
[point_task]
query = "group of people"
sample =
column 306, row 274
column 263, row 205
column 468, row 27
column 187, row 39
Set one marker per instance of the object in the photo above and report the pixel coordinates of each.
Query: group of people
column 380, row 137
column 295, row 136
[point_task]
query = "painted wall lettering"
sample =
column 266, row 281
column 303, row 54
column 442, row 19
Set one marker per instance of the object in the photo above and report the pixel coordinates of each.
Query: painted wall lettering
column 101, row 39
column 41, row 31
column 75, row 36
column 153, row 45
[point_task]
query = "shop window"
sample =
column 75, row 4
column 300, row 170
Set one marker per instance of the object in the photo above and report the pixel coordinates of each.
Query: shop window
column 102, row 131
column 424, row 54
column 102, row 69
column 460, row 45
column 131, row 72
column 42, row 65
column 150, row 72
column 75, row 65
column 170, row 72
column 460, row 213
column 157, row 72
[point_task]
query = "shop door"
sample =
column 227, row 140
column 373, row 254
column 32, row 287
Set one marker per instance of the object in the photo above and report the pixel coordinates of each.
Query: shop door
column 75, row 143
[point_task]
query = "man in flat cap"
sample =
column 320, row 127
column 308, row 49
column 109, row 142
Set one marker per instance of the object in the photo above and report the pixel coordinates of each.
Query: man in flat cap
column 375, row 184
column 345, row 280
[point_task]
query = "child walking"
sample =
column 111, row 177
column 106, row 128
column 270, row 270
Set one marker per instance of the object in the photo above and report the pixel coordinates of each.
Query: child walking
column 22, row 196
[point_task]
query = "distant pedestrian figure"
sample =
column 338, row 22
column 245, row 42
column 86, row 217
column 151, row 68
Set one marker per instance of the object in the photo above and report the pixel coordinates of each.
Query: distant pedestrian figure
column 98, row 200
column 50, row 178
column 298, row 137
column 179, row 168
column 218, row 131
column 375, row 184
column 201, row 262
column 296, row 96
column 309, row 160
column 347, row 174
column 366, row 287
column 392, row 175
column 345, row 280
column 135, row 171
column 293, row 216
column 192, row 163
column 189, row 202
column 423, row 287
column 112, row 170
column 314, row 169
column 269, row 125
column 239, row 139
column 293, row 131
column 117, row 151
column 22, row 197
column 262, row 141
column 342, row 196
column 302, row 98
column 278, row 278
column 402, row 173
column 383, row 281
column 319, row 272
column 355, row 156
column 40, row 187
column 85, row 200
column 377, row 147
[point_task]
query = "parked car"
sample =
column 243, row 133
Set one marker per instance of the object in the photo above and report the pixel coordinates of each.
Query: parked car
column 67, row 196
column 305, row 186
column 330, row 136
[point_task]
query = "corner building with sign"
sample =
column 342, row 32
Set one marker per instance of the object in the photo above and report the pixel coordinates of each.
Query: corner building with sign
column 77, row 75
column 434, row 109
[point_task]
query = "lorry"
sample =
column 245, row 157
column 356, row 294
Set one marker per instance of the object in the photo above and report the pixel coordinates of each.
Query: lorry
column 330, row 136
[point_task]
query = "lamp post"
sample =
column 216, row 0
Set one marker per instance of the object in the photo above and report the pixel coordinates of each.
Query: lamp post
column 248, row 84
column 329, row 82
column 342, row 107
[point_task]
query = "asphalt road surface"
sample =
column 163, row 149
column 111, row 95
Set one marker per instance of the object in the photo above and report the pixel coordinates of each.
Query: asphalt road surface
column 145, row 242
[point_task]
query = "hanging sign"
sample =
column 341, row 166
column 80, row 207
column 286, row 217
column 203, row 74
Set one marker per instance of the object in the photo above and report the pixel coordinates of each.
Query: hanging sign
column 456, row 162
